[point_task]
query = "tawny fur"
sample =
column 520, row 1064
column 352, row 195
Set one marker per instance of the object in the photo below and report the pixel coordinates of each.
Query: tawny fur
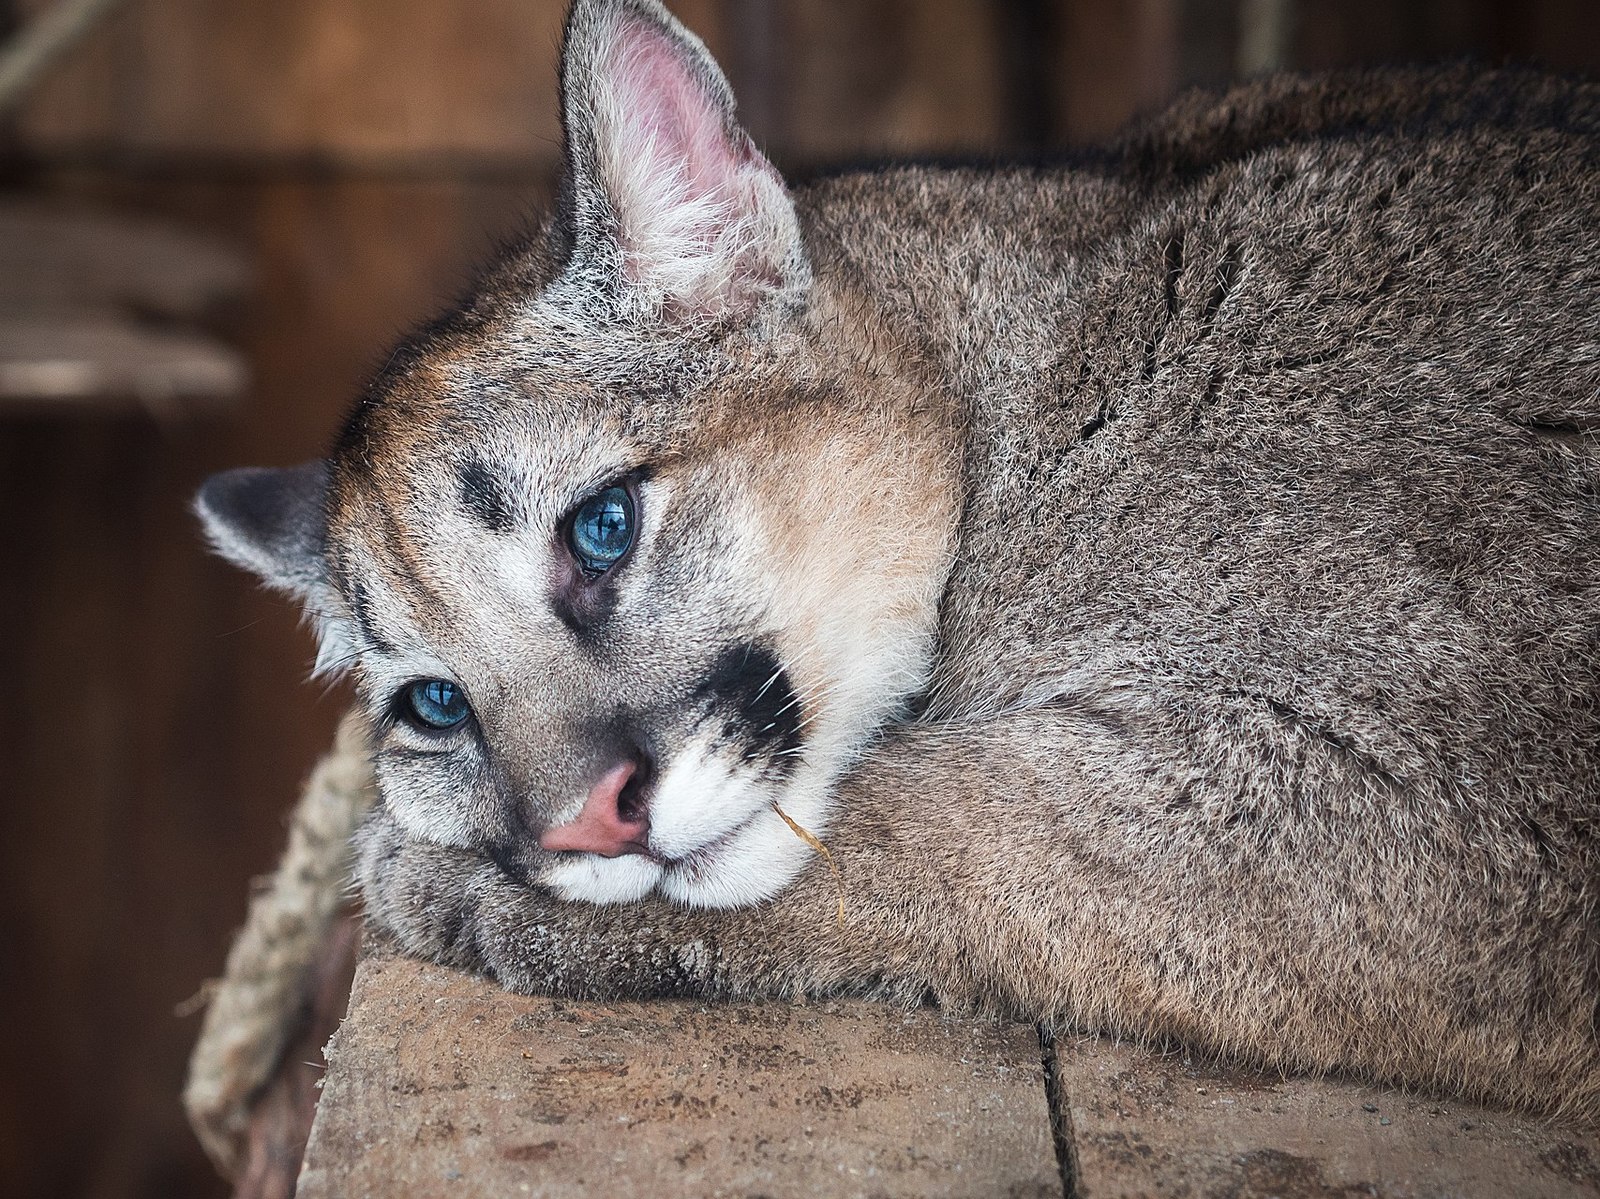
column 1235, row 495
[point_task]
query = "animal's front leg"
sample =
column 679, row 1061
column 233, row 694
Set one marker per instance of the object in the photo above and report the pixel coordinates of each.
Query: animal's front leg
column 460, row 908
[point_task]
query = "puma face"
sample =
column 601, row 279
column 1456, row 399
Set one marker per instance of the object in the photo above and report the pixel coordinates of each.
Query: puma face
column 642, row 544
column 605, row 637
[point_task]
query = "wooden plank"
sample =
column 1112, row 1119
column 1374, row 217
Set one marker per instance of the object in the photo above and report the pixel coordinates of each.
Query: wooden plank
column 1152, row 1124
column 77, row 290
column 93, row 362
column 355, row 79
column 876, row 78
column 442, row 1084
column 69, row 261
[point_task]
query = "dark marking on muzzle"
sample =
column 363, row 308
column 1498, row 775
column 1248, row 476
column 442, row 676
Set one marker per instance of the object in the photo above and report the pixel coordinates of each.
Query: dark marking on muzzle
column 508, row 860
column 748, row 690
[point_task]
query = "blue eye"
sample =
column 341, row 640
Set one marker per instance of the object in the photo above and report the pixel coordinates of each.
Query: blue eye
column 436, row 704
column 602, row 529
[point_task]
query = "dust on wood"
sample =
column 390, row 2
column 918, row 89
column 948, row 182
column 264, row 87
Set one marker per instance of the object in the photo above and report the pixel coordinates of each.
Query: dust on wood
column 443, row 1084
column 1150, row 1123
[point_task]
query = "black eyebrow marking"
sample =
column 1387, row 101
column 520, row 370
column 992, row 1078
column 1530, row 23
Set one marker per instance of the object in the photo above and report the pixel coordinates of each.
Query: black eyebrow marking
column 485, row 496
column 359, row 602
column 408, row 579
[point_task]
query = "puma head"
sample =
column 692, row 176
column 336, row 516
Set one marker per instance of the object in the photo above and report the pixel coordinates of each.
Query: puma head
column 645, row 540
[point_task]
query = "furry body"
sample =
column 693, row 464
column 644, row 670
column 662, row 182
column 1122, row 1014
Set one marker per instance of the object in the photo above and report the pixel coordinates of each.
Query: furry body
column 1185, row 563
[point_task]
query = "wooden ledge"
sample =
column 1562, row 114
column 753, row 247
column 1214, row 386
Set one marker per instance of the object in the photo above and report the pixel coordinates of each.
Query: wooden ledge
column 441, row 1084
column 99, row 315
column 1151, row 1124
column 96, row 363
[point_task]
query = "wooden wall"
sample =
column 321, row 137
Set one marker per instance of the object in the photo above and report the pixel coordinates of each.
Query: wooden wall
column 363, row 154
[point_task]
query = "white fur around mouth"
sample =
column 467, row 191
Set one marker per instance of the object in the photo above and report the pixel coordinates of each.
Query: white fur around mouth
column 697, row 861
column 748, row 864
column 590, row 878
column 689, row 877
column 693, row 861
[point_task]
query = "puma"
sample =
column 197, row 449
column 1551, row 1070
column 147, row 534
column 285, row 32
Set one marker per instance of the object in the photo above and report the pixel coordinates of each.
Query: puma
column 1168, row 583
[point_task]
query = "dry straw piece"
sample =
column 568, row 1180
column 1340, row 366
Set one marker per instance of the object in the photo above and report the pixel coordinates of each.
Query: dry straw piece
column 812, row 840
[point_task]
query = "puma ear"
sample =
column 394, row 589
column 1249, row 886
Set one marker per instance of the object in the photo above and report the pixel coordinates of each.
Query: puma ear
column 270, row 522
column 669, row 205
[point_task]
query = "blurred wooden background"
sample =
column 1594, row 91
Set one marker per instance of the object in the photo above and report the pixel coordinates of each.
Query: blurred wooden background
column 363, row 154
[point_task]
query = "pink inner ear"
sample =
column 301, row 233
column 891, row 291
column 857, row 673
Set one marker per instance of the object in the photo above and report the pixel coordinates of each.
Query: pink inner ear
column 668, row 122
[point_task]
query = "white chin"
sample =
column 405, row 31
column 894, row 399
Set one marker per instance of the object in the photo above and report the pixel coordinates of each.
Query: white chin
column 703, row 868
column 593, row 879
column 757, row 862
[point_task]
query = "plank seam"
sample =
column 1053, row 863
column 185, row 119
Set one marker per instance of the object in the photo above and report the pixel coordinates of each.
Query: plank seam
column 1061, row 1133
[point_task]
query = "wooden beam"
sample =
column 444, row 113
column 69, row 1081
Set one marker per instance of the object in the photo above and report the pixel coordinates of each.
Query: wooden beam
column 34, row 49
column 65, row 261
column 442, row 1084
column 1148, row 1124
column 78, row 292
column 92, row 363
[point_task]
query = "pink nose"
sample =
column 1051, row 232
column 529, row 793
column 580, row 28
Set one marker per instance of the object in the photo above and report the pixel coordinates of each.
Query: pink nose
column 609, row 824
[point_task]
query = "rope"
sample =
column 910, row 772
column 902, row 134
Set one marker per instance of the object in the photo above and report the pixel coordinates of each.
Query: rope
column 258, row 1006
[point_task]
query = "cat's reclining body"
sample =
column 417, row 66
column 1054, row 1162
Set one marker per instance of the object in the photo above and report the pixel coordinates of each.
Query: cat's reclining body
column 1168, row 583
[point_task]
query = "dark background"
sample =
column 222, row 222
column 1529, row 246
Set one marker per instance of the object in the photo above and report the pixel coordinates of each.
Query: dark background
column 362, row 155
